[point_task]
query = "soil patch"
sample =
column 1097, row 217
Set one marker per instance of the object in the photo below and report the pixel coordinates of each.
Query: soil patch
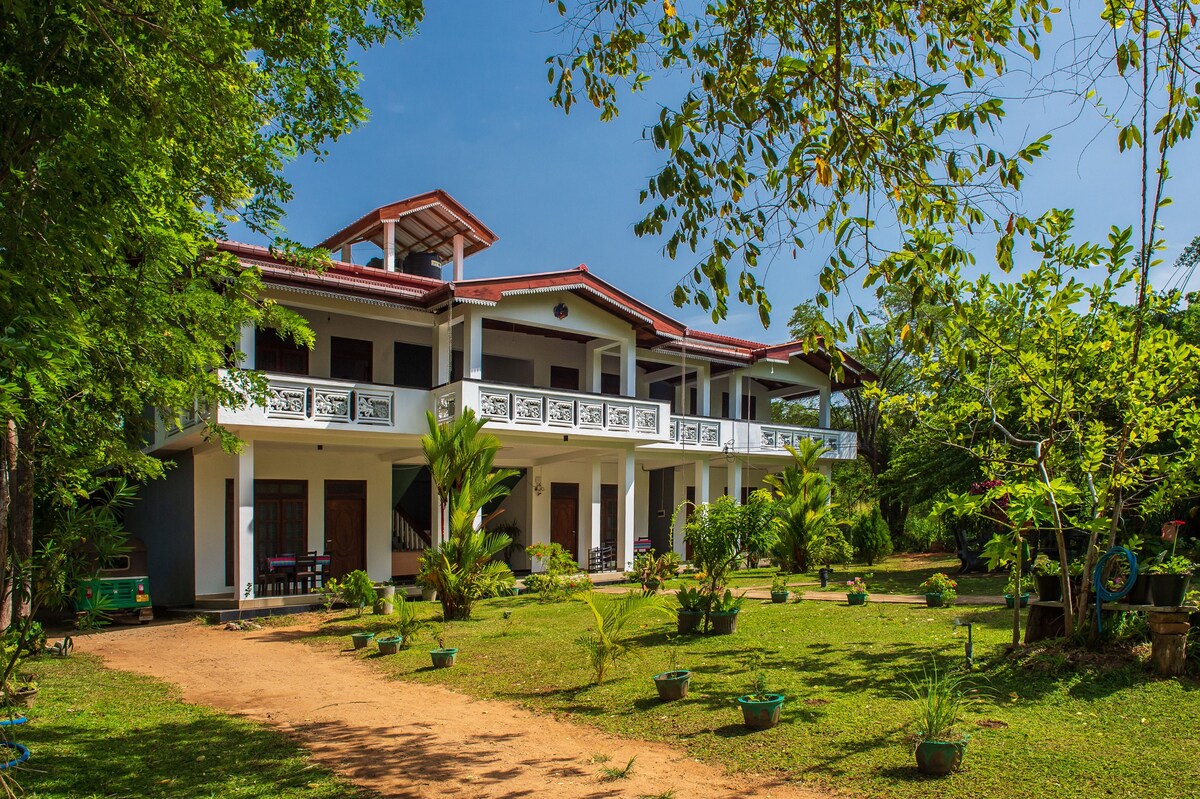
column 404, row 739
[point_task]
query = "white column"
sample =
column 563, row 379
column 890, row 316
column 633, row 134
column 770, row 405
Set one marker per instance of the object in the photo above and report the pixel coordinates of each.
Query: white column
column 473, row 345
column 823, row 408
column 243, row 534
column 735, row 394
column 703, row 388
column 458, row 257
column 593, row 360
column 441, row 353
column 591, row 533
column 735, row 479
column 389, row 245
column 246, row 345
column 628, row 368
column 347, row 254
column 627, row 507
column 680, row 494
column 702, row 481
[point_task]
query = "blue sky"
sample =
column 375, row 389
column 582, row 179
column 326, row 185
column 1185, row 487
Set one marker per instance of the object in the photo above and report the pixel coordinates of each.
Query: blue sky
column 463, row 106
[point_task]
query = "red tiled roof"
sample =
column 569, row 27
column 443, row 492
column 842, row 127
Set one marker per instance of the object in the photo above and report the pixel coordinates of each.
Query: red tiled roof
column 661, row 331
column 424, row 223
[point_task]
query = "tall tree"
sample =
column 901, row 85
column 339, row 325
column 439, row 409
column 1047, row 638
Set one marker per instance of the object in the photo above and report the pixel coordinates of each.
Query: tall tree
column 133, row 133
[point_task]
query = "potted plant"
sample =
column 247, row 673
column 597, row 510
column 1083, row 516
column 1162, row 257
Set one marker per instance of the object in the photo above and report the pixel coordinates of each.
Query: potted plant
column 652, row 571
column 1012, row 590
column 760, row 707
column 428, row 592
column 939, row 590
column 779, row 589
column 691, row 610
column 389, row 644
column 673, row 683
column 361, row 639
column 1046, row 574
column 723, row 613
column 939, row 699
column 23, row 693
column 856, row 591
column 384, row 594
column 1169, row 581
column 443, row 656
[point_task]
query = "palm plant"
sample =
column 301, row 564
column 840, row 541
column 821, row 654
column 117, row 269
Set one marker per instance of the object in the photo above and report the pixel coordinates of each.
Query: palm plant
column 802, row 506
column 455, row 452
column 462, row 568
column 607, row 642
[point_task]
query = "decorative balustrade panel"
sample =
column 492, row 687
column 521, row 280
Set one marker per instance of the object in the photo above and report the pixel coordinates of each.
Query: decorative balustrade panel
column 324, row 403
column 534, row 408
column 779, row 438
column 696, row 432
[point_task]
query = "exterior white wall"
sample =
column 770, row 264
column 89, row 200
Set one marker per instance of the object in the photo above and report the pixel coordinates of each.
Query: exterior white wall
column 290, row 462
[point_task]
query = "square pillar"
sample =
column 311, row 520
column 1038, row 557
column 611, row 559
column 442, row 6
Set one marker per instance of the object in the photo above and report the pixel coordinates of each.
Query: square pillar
column 627, row 507
column 592, row 365
column 628, row 369
column 734, row 479
column 458, row 256
column 703, row 388
column 590, row 538
column 243, row 534
column 473, row 345
column 823, row 408
column 246, row 345
column 441, row 353
column 347, row 254
column 735, row 394
column 680, row 493
column 389, row 245
column 702, row 481
column 438, row 522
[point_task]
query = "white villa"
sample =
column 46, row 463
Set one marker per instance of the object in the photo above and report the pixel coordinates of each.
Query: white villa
column 613, row 412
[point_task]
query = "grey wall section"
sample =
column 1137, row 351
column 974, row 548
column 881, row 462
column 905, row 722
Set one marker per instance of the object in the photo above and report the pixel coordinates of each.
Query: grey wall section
column 164, row 518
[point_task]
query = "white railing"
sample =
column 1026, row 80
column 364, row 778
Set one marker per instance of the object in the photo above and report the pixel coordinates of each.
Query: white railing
column 776, row 438
column 697, row 432
column 549, row 410
column 326, row 402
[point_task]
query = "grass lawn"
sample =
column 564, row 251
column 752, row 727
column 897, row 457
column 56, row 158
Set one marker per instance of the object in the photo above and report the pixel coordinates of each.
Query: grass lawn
column 898, row 574
column 1048, row 729
column 96, row 732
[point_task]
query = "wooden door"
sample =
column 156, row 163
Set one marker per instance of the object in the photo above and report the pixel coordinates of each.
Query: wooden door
column 345, row 526
column 564, row 516
column 609, row 514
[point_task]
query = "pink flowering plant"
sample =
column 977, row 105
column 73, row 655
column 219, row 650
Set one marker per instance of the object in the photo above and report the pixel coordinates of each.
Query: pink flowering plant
column 856, row 586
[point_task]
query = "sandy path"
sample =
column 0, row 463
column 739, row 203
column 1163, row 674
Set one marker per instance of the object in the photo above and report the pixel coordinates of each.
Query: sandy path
column 406, row 739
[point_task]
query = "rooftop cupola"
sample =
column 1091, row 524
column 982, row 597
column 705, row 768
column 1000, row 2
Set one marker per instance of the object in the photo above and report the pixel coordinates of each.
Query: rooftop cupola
column 417, row 236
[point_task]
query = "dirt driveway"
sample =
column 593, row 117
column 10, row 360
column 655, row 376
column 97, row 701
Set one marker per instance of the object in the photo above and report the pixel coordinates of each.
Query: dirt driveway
column 405, row 739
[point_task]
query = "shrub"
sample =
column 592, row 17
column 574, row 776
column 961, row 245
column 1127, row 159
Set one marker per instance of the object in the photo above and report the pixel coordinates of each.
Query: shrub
column 829, row 546
column 555, row 588
column 943, row 584
column 556, row 560
column 871, row 538
column 779, row 583
column 355, row 590
column 651, row 572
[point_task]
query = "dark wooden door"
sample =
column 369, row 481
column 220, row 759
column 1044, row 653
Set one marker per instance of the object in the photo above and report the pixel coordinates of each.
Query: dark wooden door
column 564, row 516
column 345, row 526
column 609, row 513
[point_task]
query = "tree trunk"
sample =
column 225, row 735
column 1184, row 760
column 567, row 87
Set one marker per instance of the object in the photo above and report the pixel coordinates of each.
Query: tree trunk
column 20, row 529
column 8, row 457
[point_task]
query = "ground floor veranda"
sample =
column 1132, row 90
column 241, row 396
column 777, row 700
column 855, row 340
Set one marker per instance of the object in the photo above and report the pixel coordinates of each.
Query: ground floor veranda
column 281, row 516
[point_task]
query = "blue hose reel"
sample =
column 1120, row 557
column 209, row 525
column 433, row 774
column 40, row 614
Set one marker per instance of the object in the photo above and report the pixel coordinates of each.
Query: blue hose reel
column 22, row 751
column 1103, row 594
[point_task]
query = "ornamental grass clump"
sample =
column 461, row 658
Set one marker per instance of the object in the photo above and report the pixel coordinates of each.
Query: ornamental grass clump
column 939, row 699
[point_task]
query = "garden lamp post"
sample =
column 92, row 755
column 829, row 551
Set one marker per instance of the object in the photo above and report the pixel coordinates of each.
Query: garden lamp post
column 970, row 641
